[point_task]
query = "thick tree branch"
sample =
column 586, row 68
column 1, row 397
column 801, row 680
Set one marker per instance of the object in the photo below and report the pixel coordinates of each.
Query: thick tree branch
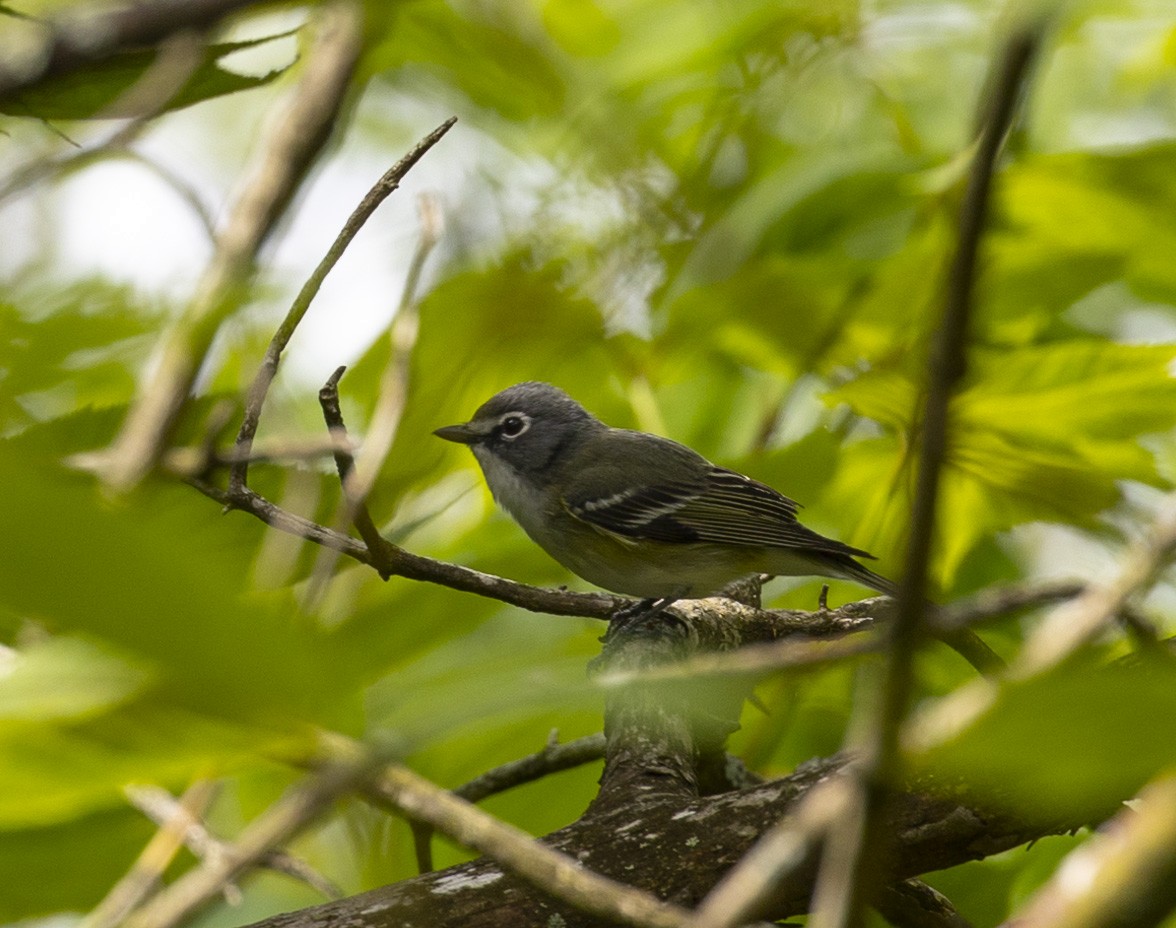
column 539, row 864
column 677, row 850
column 914, row 904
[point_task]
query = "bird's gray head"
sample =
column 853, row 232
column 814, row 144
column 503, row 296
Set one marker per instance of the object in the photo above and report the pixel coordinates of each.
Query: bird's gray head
column 528, row 427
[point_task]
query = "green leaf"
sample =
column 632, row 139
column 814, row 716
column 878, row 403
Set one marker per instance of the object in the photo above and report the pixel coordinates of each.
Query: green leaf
column 1077, row 741
column 163, row 579
column 77, row 347
column 1043, row 432
column 497, row 67
column 66, row 678
column 97, row 89
column 68, row 867
column 55, row 772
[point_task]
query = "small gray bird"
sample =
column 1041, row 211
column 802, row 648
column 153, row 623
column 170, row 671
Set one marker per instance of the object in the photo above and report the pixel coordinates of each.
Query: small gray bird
column 635, row 513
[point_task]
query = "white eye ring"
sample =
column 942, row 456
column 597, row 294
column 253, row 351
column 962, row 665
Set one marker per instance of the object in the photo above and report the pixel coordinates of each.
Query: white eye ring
column 513, row 424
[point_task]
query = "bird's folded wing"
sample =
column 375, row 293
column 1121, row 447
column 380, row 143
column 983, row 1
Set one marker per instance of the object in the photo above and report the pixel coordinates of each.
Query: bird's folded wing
column 721, row 506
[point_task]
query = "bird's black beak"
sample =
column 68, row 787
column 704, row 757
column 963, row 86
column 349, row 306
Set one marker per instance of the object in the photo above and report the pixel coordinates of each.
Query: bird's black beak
column 462, row 434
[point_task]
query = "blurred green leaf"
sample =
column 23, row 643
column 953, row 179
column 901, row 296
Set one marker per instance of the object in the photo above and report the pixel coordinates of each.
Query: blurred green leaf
column 55, row 772
column 68, row 867
column 76, row 348
column 65, row 678
column 497, row 67
column 1076, row 741
column 1043, row 432
column 97, row 89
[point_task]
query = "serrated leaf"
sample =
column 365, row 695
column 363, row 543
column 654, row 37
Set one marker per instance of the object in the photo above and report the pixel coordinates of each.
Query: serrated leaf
column 1043, row 432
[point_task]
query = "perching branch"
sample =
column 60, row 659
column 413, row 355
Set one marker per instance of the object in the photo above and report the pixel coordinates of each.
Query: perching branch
column 851, row 862
column 285, row 157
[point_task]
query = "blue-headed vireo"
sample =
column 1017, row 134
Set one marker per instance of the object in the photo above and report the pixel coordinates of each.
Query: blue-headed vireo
column 635, row 513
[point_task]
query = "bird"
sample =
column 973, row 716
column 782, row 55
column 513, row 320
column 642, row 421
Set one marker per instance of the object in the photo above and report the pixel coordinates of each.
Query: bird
column 636, row 513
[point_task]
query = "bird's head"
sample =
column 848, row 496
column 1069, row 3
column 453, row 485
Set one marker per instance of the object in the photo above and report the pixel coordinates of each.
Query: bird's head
column 528, row 427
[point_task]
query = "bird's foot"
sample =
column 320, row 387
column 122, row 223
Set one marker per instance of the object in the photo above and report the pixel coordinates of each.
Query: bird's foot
column 628, row 619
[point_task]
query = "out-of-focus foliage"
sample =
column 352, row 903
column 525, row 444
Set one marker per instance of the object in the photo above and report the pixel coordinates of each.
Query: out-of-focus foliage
column 726, row 222
column 100, row 91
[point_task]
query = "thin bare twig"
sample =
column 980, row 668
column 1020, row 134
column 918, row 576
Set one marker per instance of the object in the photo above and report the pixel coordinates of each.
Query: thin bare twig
column 160, row 806
column 850, row 862
column 402, row 337
column 359, row 478
column 552, row 759
column 147, row 870
column 379, row 192
column 519, row 852
column 286, row 155
column 1002, row 600
column 344, row 463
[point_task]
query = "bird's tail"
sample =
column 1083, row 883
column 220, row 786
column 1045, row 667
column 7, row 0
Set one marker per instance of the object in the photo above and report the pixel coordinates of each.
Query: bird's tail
column 863, row 575
column 845, row 567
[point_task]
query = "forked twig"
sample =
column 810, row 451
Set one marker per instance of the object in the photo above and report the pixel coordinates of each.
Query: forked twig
column 379, row 192
column 147, row 870
column 552, row 759
column 358, row 475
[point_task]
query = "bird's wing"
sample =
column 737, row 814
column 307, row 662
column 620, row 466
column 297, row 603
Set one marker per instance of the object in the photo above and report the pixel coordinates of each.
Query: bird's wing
column 719, row 506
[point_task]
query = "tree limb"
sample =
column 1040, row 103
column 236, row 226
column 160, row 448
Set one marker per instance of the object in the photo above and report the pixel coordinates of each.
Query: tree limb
column 677, row 850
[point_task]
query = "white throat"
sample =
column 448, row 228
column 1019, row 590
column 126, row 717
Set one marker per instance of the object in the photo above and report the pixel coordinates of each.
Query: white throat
column 518, row 496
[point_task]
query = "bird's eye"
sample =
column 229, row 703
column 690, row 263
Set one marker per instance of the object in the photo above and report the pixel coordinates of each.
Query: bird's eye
column 513, row 426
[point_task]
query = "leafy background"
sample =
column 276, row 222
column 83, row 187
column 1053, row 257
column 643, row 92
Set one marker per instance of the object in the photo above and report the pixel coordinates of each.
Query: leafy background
column 728, row 223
